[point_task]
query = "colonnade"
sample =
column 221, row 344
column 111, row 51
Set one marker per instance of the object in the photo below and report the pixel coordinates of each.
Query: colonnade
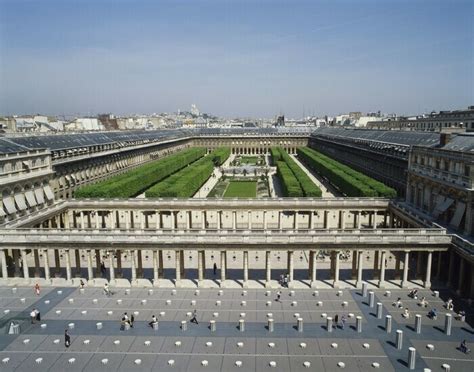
column 223, row 219
column 420, row 268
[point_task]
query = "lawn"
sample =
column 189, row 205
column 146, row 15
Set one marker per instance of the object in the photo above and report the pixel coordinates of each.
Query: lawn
column 251, row 160
column 241, row 189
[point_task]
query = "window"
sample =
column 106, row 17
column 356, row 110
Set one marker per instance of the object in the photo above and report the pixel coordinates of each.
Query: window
column 466, row 170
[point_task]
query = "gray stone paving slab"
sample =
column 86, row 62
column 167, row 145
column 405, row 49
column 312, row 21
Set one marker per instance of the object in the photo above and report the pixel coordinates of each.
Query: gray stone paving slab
column 273, row 346
column 214, row 363
column 240, row 345
column 303, row 346
column 358, row 347
column 442, row 349
column 52, row 343
column 147, row 344
column 10, row 361
column 248, row 363
column 334, row 346
column 366, row 364
column 104, row 362
column 185, row 346
column 436, row 365
column 26, row 343
column 350, row 363
column 39, row 362
column 263, row 363
column 137, row 362
column 110, row 344
column 88, row 343
column 297, row 364
column 71, row 362
column 209, row 345
column 180, row 363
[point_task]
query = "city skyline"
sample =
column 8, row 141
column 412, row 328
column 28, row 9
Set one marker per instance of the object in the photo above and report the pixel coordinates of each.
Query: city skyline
column 235, row 59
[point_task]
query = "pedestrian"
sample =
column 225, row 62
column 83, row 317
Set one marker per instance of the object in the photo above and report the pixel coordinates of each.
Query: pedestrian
column 463, row 347
column 102, row 268
column 153, row 321
column 194, row 318
column 343, row 321
column 132, row 319
column 278, row 296
column 33, row 316
column 215, row 268
column 82, row 284
column 67, row 339
column 37, row 289
column 336, row 320
column 106, row 289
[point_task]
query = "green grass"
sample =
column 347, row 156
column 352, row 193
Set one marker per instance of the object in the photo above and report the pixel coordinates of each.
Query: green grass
column 241, row 189
column 252, row 160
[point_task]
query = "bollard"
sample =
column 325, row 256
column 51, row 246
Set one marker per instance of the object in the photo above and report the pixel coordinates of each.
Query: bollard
column 448, row 321
column 388, row 323
column 212, row 324
column 155, row 326
column 329, row 324
column 270, row 325
column 99, row 325
column 316, row 293
column 292, row 293
column 379, row 310
column 411, row 357
column 446, row 367
column 399, row 339
column 300, row 324
column 359, row 324
column 436, row 293
column 184, row 325
column 241, row 325
column 364, row 289
column 418, row 323
column 268, row 293
column 82, row 290
column 71, row 325
column 150, row 292
column 371, row 298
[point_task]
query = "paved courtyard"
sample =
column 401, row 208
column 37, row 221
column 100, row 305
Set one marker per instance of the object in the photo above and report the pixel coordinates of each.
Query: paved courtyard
column 98, row 343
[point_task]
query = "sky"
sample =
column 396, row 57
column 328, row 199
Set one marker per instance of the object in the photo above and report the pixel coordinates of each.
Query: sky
column 235, row 58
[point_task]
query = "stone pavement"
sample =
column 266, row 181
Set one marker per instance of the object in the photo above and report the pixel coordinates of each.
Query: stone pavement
column 98, row 343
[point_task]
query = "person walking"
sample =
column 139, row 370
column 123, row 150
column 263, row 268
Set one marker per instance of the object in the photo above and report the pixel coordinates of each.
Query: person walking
column 153, row 321
column 37, row 289
column 343, row 321
column 67, row 338
column 336, row 320
column 102, row 268
column 278, row 296
column 33, row 316
column 215, row 269
column 132, row 319
column 194, row 318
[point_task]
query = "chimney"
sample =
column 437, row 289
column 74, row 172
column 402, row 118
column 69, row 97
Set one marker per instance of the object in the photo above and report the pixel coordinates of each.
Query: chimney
column 444, row 138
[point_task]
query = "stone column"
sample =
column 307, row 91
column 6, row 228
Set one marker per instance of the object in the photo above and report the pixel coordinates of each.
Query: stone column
column 354, row 265
column 336, row 270
column 461, row 276
column 397, row 265
column 77, row 255
column 246, row 266
column 160, row 264
column 68, row 265
column 139, row 264
column 155, row 264
column 98, row 273
column 250, row 220
column 451, row 269
column 37, row 263
column 360, row 264
column 268, row 268
column 26, row 273
column 374, row 220
column 97, row 223
column 382, row 270
column 376, row 273
column 313, row 268
column 3, row 258
column 119, row 264
column 46, row 264
column 200, row 265
column 57, row 263
column 290, row 266
column 90, row 273
column 439, row 266
column 429, row 258
column 223, row 266
column 178, row 266
column 134, row 265
column 406, row 264
column 16, row 260
column 111, row 266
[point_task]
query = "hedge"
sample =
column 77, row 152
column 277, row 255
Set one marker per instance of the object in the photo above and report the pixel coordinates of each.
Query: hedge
column 348, row 180
column 307, row 186
column 134, row 182
column 290, row 184
column 189, row 180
